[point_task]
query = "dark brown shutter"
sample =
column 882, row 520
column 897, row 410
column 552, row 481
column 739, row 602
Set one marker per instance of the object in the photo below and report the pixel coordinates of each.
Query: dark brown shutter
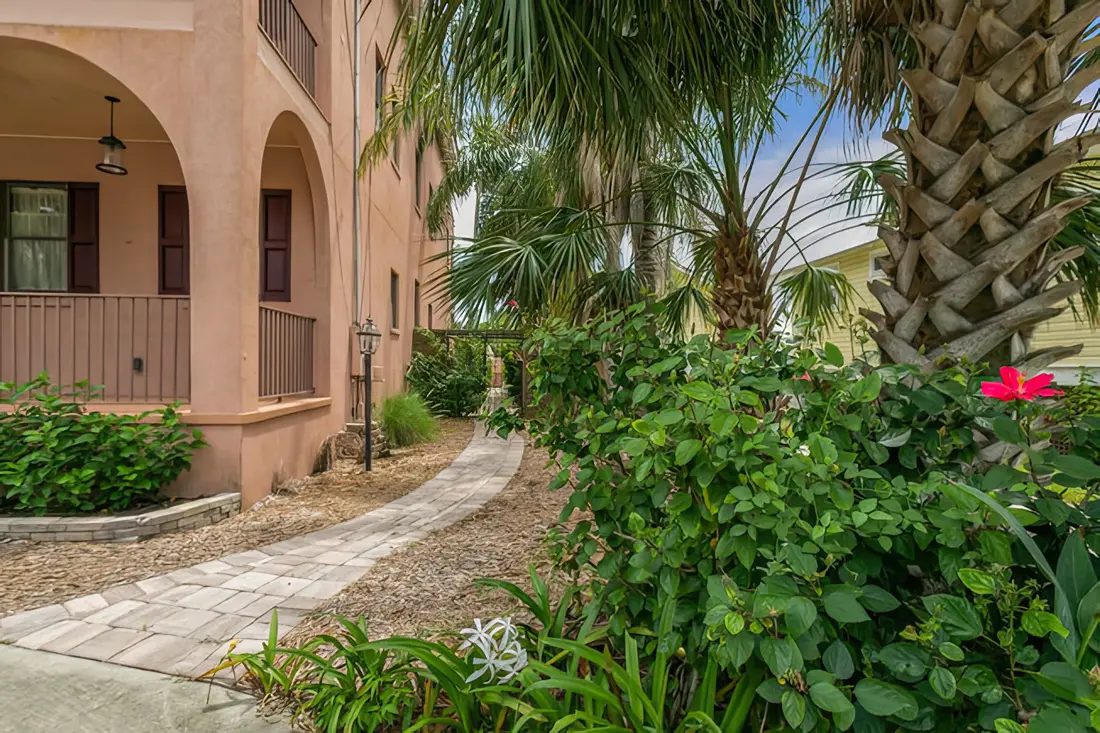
column 84, row 237
column 174, row 237
column 275, row 246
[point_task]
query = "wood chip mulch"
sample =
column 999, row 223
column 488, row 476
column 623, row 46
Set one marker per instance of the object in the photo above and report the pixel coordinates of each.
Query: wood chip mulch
column 35, row 574
column 428, row 588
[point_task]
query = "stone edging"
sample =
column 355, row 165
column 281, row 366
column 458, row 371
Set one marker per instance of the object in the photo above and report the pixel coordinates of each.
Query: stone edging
column 182, row 515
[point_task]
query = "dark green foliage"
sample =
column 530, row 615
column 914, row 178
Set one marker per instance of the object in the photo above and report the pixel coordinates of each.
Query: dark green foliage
column 406, row 420
column 57, row 457
column 453, row 381
column 814, row 520
column 1083, row 398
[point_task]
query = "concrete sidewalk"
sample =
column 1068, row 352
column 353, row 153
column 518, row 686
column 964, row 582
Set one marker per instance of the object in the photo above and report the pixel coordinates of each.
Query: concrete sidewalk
column 41, row 692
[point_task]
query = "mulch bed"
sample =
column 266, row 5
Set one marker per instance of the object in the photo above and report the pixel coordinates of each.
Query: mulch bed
column 428, row 588
column 35, row 574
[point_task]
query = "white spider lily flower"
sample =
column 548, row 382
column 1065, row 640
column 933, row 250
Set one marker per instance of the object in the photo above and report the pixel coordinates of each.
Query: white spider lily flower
column 495, row 650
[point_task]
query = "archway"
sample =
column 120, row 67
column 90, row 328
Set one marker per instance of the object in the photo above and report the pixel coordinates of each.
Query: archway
column 93, row 268
column 294, row 287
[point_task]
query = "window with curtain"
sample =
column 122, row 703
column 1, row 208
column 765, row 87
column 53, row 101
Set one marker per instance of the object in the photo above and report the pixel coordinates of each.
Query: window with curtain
column 36, row 237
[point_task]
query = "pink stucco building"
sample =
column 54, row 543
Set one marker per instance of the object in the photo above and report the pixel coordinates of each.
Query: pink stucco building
column 218, row 271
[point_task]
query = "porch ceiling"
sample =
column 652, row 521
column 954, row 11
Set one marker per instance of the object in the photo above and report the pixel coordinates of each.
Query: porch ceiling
column 48, row 92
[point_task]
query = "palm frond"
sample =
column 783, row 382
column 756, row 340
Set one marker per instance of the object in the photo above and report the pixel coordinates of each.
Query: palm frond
column 816, row 296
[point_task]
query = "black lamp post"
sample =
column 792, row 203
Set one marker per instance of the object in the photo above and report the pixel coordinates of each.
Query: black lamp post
column 369, row 335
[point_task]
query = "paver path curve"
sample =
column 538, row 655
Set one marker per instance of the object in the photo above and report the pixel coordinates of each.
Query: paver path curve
column 181, row 622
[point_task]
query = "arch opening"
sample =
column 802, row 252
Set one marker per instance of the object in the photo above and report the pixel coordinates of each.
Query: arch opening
column 93, row 267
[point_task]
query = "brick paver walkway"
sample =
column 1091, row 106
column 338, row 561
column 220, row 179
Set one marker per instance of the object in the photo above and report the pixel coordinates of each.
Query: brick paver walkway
column 181, row 622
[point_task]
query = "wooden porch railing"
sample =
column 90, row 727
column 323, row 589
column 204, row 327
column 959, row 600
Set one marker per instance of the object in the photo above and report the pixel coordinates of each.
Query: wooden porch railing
column 286, row 353
column 290, row 35
column 137, row 347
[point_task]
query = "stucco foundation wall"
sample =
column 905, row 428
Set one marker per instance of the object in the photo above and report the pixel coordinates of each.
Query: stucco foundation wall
column 276, row 450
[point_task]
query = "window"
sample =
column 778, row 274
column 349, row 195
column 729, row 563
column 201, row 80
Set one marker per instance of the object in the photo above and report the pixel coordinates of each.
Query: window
column 430, row 325
column 880, row 261
column 416, row 303
column 379, row 89
column 395, row 299
column 173, row 241
column 418, row 177
column 50, row 236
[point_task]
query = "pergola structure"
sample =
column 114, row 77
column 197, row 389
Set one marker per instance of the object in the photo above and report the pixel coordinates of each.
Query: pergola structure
column 487, row 336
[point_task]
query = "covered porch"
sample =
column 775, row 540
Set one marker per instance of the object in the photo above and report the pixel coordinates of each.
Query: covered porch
column 99, row 281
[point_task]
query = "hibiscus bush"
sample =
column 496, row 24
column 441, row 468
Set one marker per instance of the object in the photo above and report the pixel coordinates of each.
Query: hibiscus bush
column 850, row 546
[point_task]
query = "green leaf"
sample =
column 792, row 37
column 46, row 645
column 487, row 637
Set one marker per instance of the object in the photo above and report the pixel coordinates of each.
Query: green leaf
column 1041, row 623
column 802, row 563
column 960, row 620
column 686, row 450
column 781, row 655
column 829, row 698
column 1009, row 431
column 794, row 708
column 897, row 440
column 771, row 690
column 951, row 651
column 1006, row 725
column 869, row 388
column 801, row 614
column 641, row 392
column 884, row 700
column 1075, row 571
column 833, row 355
column 734, row 623
column 942, row 682
column 1077, row 467
column 1089, row 609
column 838, row 660
column 1055, row 720
column 905, row 661
column 977, row 581
column 878, row 599
column 842, row 605
column 698, row 390
column 1064, row 680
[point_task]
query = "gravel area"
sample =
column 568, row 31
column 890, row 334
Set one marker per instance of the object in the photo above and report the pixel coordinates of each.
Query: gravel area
column 428, row 588
column 35, row 574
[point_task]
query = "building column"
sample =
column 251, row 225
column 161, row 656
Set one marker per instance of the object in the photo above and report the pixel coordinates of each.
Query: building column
column 223, row 190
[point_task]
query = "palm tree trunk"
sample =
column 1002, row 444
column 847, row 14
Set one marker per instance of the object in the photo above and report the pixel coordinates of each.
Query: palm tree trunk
column 649, row 256
column 970, row 263
column 741, row 299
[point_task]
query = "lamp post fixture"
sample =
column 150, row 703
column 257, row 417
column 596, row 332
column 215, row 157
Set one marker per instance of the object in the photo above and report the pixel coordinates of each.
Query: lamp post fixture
column 369, row 335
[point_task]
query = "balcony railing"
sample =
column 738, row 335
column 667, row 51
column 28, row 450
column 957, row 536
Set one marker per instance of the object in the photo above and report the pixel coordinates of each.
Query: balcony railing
column 286, row 353
column 136, row 347
column 290, row 35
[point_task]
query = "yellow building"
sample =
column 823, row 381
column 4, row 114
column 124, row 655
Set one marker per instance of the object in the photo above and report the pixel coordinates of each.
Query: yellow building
column 861, row 264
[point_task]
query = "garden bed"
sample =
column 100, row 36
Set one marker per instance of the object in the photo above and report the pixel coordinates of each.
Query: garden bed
column 429, row 587
column 34, row 574
column 131, row 525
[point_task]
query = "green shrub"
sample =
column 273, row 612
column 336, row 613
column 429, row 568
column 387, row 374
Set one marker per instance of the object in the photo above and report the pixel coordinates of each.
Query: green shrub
column 57, row 457
column 453, row 382
column 1083, row 398
column 816, row 526
column 406, row 420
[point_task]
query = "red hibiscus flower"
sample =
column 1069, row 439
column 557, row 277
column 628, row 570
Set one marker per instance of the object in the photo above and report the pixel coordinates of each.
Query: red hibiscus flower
column 513, row 304
column 1015, row 385
column 804, row 376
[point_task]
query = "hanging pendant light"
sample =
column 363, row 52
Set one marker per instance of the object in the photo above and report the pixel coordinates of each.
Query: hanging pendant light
column 112, row 157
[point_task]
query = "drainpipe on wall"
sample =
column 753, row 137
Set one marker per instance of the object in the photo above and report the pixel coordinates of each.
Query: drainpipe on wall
column 355, row 171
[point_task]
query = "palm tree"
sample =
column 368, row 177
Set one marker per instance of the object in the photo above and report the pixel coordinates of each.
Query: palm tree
column 624, row 82
column 987, row 88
